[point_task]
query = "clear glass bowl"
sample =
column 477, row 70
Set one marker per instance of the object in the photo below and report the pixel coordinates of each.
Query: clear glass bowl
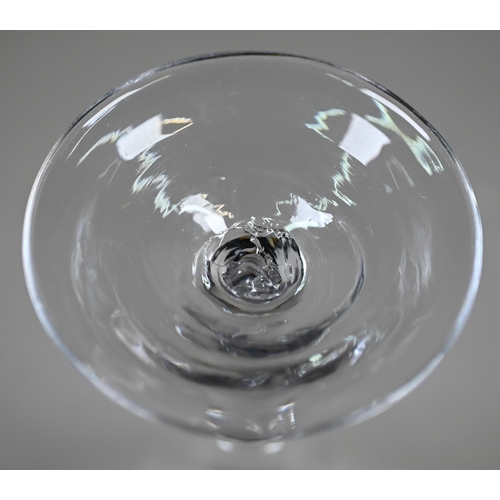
column 252, row 245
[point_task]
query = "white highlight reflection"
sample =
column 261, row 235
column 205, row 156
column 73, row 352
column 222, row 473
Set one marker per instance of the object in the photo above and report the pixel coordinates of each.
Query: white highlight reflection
column 140, row 138
column 307, row 216
column 363, row 140
column 205, row 213
column 273, row 448
column 400, row 112
column 226, row 446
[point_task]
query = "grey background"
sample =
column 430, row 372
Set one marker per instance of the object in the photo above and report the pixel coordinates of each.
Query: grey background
column 51, row 417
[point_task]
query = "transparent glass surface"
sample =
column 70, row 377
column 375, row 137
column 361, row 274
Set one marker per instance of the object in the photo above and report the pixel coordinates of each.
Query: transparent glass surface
column 252, row 245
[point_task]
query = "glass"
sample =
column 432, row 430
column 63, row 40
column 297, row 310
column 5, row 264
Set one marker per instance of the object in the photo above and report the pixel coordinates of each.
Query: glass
column 252, row 245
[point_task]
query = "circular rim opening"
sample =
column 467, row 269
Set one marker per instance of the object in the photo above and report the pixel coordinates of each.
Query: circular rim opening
column 354, row 417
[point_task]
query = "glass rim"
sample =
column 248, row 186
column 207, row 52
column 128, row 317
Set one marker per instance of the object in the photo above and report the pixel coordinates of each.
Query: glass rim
column 352, row 418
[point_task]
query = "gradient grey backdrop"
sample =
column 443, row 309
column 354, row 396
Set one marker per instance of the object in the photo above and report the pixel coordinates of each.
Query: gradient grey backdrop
column 51, row 417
